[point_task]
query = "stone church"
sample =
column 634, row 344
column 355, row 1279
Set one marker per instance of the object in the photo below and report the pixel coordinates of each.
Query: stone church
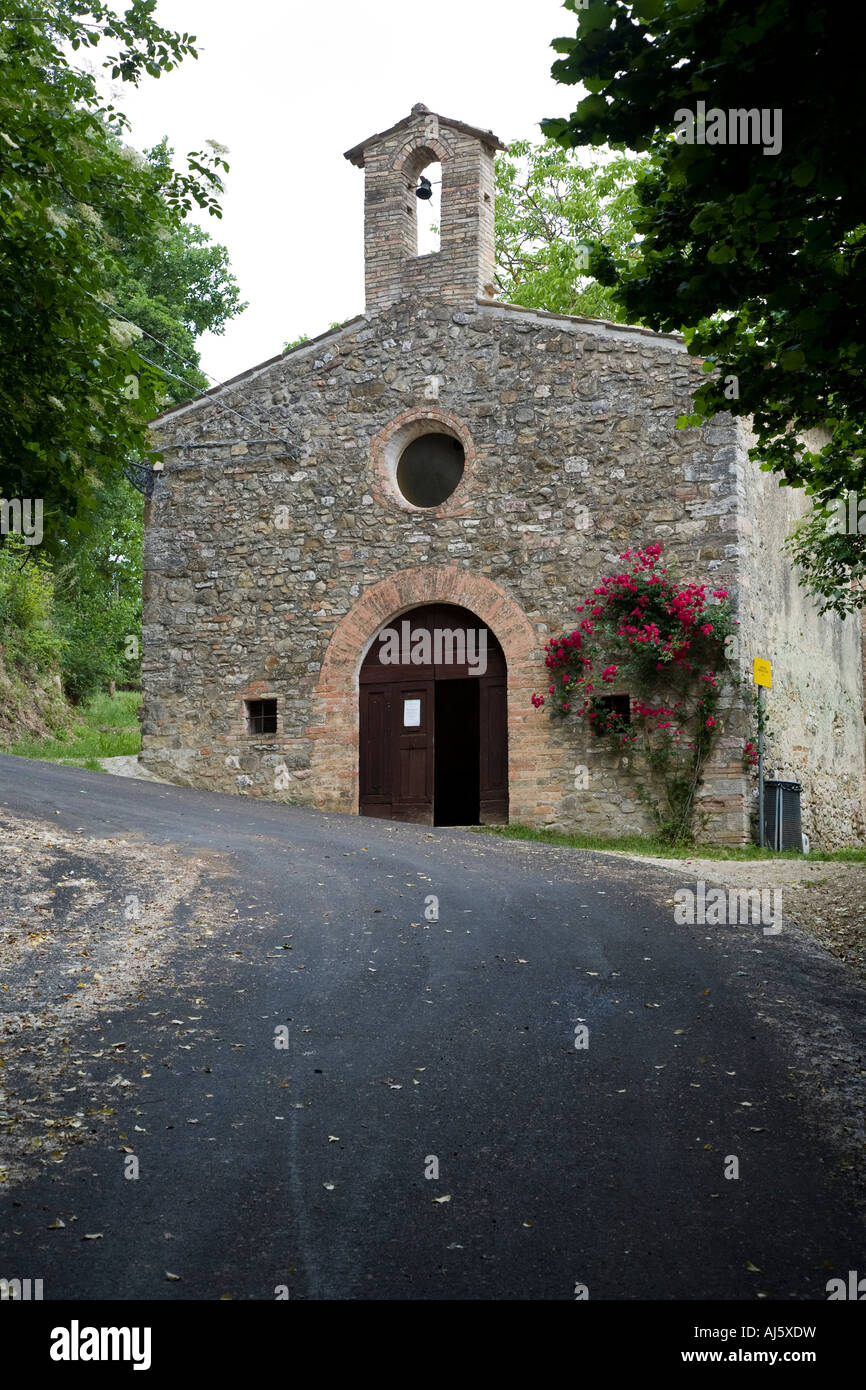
column 356, row 551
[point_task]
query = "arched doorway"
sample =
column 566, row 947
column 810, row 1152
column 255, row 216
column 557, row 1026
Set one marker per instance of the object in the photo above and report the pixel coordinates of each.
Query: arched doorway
column 433, row 724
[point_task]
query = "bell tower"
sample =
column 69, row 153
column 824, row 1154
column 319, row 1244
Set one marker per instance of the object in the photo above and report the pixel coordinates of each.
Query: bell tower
column 392, row 162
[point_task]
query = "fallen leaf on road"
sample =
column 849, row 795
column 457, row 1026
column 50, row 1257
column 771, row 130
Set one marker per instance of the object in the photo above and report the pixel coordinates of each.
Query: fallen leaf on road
column 56, row 1225
column 753, row 1269
column 442, row 1199
column 175, row 1278
column 96, row 1235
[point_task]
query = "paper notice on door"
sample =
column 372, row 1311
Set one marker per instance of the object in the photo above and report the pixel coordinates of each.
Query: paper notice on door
column 411, row 714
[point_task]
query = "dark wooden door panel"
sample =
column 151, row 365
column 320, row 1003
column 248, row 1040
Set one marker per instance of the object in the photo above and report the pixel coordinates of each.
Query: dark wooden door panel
column 494, row 752
column 412, row 751
column 375, row 751
column 449, row 637
column 397, row 767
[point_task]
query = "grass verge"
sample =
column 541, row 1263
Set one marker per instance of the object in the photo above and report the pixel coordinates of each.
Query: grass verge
column 106, row 727
column 647, row 844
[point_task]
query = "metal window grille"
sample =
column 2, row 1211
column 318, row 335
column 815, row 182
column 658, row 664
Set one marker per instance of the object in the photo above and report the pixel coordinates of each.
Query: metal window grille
column 261, row 716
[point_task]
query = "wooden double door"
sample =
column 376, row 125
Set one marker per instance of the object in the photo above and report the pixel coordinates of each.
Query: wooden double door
column 434, row 732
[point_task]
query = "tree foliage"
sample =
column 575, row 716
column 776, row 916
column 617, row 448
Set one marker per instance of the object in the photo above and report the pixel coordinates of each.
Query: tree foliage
column 29, row 639
column 174, row 285
column 72, row 197
column 77, row 613
column 550, row 209
column 97, row 595
column 757, row 257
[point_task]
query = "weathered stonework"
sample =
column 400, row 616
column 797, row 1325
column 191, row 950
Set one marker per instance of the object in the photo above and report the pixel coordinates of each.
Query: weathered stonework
column 392, row 162
column 815, row 707
column 278, row 543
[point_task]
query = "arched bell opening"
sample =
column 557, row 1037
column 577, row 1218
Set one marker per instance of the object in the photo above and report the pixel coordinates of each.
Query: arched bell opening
column 428, row 196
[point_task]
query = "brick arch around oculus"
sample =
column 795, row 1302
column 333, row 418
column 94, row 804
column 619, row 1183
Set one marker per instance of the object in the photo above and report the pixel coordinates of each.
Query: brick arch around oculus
column 333, row 728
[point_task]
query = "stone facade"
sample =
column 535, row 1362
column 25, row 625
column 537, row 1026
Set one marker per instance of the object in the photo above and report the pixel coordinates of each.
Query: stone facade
column 815, row 707
column 279, row 542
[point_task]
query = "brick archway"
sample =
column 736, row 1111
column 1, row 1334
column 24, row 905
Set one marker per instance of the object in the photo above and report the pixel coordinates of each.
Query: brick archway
column 416, row 154
column 334, row 726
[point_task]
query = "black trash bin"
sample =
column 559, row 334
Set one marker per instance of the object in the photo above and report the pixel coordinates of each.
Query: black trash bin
column 782, row 824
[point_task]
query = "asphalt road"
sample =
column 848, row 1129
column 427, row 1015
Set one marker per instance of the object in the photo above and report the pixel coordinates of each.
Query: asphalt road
column 411, row 1040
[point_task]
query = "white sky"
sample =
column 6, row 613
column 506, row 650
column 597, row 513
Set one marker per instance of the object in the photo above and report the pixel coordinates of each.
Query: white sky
column 289, row 85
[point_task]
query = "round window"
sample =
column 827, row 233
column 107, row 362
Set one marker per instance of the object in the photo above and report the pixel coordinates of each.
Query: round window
column 430, row 469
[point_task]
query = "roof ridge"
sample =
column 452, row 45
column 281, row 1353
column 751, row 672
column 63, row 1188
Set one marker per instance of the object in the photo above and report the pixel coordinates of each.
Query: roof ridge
column 487, row 137
column 259, row 367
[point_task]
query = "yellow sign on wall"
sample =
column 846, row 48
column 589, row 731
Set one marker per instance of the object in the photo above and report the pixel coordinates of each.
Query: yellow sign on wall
column 763, row 674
